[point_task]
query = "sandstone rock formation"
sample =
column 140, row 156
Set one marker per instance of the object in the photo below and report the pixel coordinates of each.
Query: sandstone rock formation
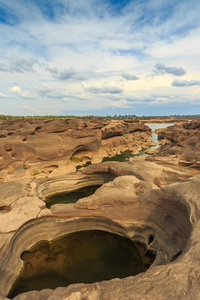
column 35, row 146
column 182, row 142
column 153, row 202
column 133, row 205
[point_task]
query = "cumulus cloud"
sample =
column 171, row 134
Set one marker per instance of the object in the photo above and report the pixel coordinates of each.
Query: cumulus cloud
column 22, row 94
column 128, row 76
column 109, row 88
column 170, row 70
column 182, row 83
column 15, row 89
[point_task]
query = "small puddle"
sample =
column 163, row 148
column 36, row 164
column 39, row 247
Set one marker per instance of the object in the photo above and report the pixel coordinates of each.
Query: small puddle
column 80, row 257
column 123, row 156
column 71, row 197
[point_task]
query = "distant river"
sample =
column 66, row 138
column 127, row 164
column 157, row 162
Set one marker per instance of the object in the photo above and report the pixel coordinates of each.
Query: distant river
column 155, row 126
column 126, row 155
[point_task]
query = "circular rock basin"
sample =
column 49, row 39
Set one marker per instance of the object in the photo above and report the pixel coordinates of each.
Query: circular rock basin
column 80, row 257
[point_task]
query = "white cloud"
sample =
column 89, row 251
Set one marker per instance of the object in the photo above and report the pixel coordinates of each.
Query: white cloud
column 186, row 47
column 15, row 89
column 26, row 94
column 85, row 54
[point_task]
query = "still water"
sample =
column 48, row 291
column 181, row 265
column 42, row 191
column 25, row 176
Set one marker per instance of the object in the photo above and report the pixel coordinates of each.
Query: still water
column 71, row 197
column 155, row 126
column 81, row 257
column 126, row 155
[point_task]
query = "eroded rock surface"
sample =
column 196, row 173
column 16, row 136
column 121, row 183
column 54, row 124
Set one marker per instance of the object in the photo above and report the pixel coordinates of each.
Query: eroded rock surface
column 153, row 202
column 182, row 141
column 38, row 146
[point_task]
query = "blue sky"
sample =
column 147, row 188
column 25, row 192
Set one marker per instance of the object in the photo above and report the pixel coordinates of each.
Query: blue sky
column 99, row 57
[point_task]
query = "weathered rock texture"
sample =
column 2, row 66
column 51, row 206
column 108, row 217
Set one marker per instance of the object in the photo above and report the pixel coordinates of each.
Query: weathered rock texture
column 29, row 146
column 182, row 140
column 133, row 205
column 180, row 146
column 154, row 203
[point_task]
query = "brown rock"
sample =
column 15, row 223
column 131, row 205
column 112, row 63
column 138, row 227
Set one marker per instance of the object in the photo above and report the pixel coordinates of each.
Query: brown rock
column 182, row 141
column 28, row 141
column 153, row 203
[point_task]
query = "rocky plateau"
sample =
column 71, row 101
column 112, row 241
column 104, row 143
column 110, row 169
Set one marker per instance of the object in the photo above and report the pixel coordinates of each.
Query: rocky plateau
column 153, row 201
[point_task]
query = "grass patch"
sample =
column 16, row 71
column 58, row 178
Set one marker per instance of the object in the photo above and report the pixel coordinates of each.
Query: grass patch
column 75, row 159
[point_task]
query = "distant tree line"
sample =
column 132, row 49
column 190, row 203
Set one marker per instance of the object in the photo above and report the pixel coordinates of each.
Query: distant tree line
column 9, row 117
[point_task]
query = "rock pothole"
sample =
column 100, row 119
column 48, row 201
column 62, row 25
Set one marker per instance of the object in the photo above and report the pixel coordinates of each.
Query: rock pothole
column 80, row 257
column 71, row 197
column 55, row 252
